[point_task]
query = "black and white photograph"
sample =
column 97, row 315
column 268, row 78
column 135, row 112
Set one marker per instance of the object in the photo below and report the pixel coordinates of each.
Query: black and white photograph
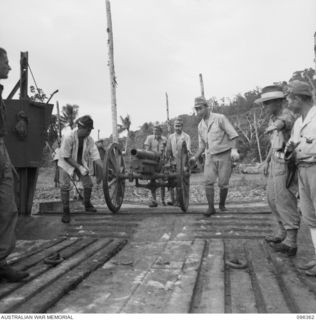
column 157, row 159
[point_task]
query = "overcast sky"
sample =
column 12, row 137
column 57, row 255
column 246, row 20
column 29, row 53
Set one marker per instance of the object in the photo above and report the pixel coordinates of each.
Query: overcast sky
column 160, row 45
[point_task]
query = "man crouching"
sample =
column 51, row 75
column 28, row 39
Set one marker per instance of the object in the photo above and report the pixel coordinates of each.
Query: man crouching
column 77, row 154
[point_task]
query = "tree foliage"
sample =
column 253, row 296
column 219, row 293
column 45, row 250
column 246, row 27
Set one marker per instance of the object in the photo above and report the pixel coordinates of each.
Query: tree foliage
column 69, row 114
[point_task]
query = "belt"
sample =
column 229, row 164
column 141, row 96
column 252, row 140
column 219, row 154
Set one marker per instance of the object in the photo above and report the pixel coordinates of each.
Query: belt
column 222, row 152
column 305, row 164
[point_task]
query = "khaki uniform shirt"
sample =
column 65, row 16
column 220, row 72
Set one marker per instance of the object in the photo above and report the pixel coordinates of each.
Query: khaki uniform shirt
column 217, row 134
column 173, row 140
column 153, row 144
column 69, row 149
column 279, row 138
column 305, row 133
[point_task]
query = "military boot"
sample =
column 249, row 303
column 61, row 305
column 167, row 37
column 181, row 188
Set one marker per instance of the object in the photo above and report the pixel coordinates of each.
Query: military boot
column 10, row 274
column 222, row 199
column 65, row 201
column 309, row 265
column 209, row 192
column 86, row 200
column 163, row 195
column 289, row 245
column 279, row 236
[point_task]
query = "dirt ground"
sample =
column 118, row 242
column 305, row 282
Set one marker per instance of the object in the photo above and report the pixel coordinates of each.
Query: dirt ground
column 243, row 187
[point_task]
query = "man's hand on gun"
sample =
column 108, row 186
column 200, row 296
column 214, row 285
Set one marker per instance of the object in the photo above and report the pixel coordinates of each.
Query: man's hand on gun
column 83, row 170
column 290, row 148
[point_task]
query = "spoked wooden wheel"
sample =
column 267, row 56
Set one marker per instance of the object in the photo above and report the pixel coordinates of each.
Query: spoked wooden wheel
column 183, row 176
column 113, row 182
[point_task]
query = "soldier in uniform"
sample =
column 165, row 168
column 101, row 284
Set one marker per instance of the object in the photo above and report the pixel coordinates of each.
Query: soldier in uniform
column 302, row 146
column 171, row 151
column 77, row 154
column 8, row 208
column 217, row 137
column 281, row 198
column 157, row 143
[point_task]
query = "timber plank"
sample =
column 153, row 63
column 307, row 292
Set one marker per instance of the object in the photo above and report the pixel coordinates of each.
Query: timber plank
column 298, row 294
column 166, row 275
column 182, row 296
column 9, row 303
column 39, row 269
column 40, row 302
column 109, row 288
column 153, row 293
column 23, row 249
column 174, row 255
column 242, row 294
column 269, row 296
column 232, row 223
column 38, row 257
column 98, row 235
column 210, row 297
column 229, row 235
column 109, row 224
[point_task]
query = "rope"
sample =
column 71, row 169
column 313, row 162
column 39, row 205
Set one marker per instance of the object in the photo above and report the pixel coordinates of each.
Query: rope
column 33, row 78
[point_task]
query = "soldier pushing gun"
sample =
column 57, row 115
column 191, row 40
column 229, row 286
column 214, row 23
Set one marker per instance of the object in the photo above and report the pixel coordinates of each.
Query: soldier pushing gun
column 77, row 155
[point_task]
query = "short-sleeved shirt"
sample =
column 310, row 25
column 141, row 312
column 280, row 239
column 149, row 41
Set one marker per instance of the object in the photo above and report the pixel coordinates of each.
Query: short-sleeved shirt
column 216, row 134
column 69, row 149
column 278, row 138
column 305, row 133
column 153, row 144
column 173, row 140
column 3, row 129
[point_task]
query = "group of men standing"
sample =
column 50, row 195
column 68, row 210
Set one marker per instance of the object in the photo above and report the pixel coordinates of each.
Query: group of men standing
column 168, row 147
column 290, row 165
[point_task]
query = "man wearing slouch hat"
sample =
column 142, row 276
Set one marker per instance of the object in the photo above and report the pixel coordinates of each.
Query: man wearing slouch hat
column 281, row 194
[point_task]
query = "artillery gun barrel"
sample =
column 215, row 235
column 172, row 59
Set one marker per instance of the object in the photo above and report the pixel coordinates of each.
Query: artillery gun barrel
column 145, row 155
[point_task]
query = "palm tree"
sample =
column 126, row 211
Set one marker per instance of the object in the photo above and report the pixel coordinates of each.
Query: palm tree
column 69, row 114
column 125, row 125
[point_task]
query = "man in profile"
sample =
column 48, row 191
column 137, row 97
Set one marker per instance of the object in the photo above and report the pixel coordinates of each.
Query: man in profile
column 281, row 198
column 8, row 208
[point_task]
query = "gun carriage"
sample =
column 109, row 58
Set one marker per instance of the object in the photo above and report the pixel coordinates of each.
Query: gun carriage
column 150, row 170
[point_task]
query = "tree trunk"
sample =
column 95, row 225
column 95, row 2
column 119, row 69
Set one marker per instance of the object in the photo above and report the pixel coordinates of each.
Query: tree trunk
column 112, row 71
column 256, row 132
column 202, row 86
column 168, row 120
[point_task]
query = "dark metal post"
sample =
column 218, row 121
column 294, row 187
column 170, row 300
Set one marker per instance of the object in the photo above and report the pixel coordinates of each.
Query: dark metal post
column 24, row 62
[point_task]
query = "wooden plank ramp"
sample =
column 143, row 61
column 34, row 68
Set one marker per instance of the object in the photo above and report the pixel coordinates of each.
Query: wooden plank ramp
column 160, row 263
column 48, row 284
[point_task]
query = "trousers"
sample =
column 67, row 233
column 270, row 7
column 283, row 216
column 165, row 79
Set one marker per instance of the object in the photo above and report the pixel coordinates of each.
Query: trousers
column 8, row 209
column 307, row 190
column 282, row 201
column 218, row 166
column 66, row 184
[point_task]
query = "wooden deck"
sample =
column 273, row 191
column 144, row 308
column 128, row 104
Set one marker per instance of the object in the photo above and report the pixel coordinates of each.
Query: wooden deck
column 157, row 261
